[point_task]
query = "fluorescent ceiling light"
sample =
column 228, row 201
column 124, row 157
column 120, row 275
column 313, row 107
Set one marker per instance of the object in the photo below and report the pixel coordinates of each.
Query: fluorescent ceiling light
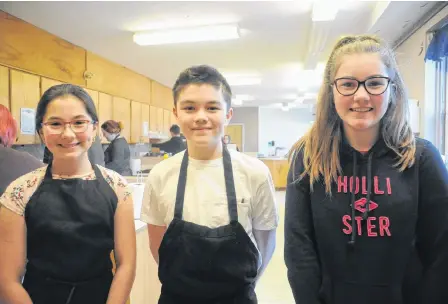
column 184, row 35
column 325, row 10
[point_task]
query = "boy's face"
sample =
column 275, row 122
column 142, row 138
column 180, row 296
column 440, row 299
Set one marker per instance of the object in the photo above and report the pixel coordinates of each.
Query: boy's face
column 202, row 114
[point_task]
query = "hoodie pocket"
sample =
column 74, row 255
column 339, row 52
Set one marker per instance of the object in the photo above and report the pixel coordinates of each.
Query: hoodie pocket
column 343, row 292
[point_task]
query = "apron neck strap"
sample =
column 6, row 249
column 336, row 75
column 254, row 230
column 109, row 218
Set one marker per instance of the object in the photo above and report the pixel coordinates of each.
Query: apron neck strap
column 230, row 186
column 49, row 175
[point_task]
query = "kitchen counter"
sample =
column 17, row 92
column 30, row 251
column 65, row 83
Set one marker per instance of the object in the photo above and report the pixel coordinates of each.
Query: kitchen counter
column 279, row 168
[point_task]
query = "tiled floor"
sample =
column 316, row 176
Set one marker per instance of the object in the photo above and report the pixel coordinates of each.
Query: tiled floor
column 273, row 287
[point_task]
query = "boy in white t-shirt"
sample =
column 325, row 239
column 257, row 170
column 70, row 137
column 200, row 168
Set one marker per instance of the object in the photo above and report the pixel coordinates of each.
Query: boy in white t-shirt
column 211, row 212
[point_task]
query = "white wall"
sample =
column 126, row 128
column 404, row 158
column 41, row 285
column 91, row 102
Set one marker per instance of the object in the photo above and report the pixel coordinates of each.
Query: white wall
column 285, row 128
column 412, row 67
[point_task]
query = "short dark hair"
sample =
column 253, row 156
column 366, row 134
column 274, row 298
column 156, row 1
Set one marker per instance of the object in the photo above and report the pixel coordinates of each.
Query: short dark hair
column 112, row 126
column 175, row 129
column 61, row 90
column 202, row 74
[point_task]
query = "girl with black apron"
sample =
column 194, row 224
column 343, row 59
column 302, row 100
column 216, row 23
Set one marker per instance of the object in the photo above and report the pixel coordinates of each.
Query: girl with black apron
column 70, row 235
column 203, row 265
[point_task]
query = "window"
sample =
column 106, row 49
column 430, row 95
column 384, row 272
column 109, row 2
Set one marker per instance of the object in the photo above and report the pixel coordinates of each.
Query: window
column 436, row 88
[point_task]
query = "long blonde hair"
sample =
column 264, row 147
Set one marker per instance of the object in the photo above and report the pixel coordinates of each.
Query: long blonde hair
column 320, row 145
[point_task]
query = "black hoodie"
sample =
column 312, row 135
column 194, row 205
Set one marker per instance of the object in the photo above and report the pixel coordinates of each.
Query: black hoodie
column 404, row 227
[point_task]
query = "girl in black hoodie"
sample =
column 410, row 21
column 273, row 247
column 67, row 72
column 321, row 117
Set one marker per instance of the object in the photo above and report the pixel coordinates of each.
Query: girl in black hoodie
column 366, row 218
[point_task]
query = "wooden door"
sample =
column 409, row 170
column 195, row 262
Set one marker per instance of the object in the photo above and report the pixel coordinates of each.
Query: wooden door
column 136, row 121
column 145, row 119
column 4, row 86
column 104, row 112
column 236, row 135
column 25, row 93
column 122, row 113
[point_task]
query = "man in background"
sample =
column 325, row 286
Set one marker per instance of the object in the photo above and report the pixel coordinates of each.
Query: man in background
column 174, row 145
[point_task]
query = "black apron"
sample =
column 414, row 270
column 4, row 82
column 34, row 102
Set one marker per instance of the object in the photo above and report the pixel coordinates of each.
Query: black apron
column 70, row 235
column 198, row 264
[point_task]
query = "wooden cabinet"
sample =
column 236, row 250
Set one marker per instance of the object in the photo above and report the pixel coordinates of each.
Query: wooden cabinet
column 160, row 115
column 153, row 119
column 145, row 118
column 117, row 80
column 105, row 111
column 32, row 49
column 136, row 121
column 279, row 171
column 173, row 119
column 4, row 86
column 25, row 93
column 122, row 113
column 95, row 97
column 161, row 96
column 166, row 121
column 47, row 83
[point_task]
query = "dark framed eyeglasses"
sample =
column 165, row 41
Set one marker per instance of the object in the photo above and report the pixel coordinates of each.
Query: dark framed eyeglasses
column 77, row 126
column 348, row 86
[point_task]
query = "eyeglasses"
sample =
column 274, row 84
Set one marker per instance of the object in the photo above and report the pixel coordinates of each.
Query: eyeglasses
column 77, row 126
column 374, row 86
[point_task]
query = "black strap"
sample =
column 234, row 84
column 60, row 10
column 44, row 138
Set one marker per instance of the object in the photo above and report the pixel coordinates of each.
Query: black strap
column 98, row 174
column 230, row 187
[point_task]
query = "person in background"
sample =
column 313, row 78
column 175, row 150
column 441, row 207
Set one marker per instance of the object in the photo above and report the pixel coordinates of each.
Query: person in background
column 62, row 221
column 12, row 163
column 211, row 230
column 117, row 156
column 366, row 201
column 96, row 153
column 228, row 140
column 174, row 145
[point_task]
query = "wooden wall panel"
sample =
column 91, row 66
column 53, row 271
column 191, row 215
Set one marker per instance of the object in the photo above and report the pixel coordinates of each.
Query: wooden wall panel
column 136, row 121
column 4, row 86
column 145, row 118
column 29, row 48
column 25, row 93
column 117, row 80
column 105, row 112
column 122, row 113
column 47, row 83
column 161, row 96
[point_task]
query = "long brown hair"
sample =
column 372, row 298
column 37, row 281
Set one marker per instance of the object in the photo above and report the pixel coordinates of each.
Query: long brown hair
column 320, row 145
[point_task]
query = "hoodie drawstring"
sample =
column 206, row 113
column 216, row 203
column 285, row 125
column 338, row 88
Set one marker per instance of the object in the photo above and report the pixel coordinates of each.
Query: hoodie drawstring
column 352, row 241
column 352, row 200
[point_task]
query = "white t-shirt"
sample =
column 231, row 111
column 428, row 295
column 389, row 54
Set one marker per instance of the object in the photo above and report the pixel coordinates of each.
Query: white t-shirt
column 205, row 201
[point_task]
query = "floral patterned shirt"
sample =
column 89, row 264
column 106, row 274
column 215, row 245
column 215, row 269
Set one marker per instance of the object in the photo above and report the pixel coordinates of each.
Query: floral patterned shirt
column 20, row 191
